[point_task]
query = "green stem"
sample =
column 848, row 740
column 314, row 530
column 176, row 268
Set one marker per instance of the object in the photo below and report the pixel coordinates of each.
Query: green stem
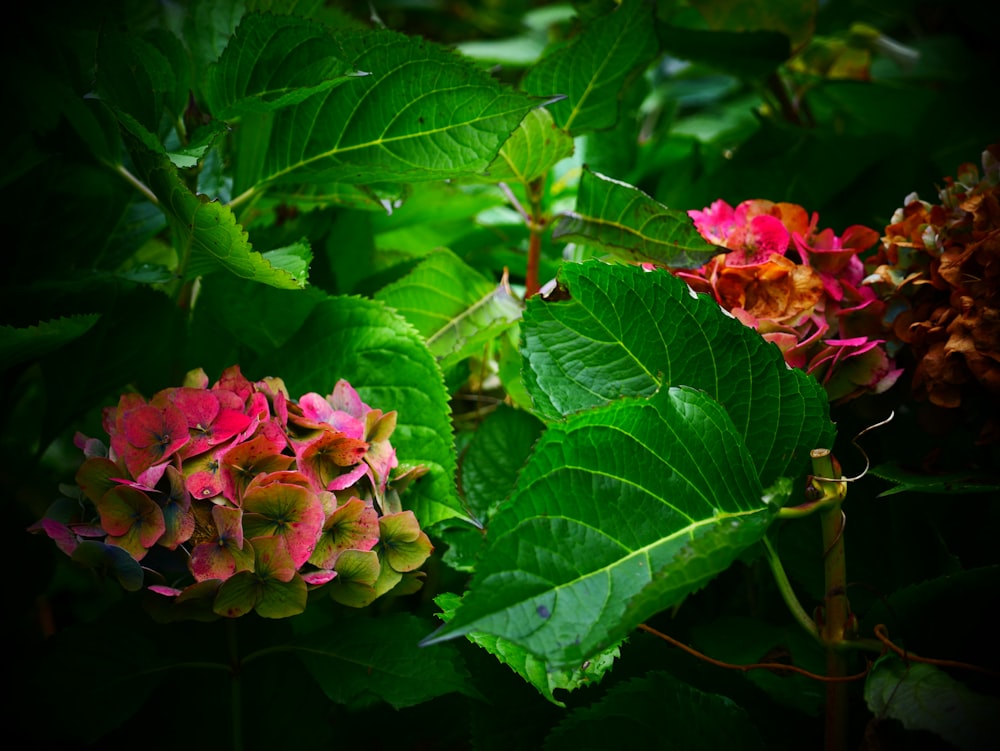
column 836, row 610
column 243, row 197
column 136, row 183
column 787, row 594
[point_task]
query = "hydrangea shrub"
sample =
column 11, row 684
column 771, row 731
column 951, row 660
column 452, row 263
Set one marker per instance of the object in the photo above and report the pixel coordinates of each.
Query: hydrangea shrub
column 232, row 498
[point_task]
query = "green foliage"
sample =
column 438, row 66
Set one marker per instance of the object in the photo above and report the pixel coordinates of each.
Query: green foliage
column 567, row 572
column 627, row 333
column 635, row 710
column 589, row 72
column 454, row 307
column 621, row 218
column 923, row 697
column 447, row 205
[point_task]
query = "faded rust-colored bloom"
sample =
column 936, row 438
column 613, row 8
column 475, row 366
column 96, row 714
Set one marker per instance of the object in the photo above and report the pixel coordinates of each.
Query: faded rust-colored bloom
column 938, row 270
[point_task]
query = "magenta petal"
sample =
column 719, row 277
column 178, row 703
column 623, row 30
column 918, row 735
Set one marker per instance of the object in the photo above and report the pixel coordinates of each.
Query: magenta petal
column 233, row 380
column 347, row 479
column 153, row 435
column 316, row 578
column 715, row 222
column 211, row 561
column 315, row 407
column 345, row 399
column 149, row 477
column 227, row 424
column 64, row 539
column 165, row 591
column 767, row 235
column 199, row 407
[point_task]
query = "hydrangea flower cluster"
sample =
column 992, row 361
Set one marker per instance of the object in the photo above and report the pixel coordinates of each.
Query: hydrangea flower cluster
column 938, row 268
column 801, row 288
column 233, row 498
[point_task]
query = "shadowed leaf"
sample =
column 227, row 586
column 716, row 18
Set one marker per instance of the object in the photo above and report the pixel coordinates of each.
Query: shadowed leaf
column 423, row 113
column 452, row 305
column 630, row 224
column 594, row 67
column 272, row 62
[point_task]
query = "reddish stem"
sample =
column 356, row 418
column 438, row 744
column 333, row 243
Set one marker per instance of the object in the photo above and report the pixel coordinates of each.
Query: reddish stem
column 536, row 222
column 534, row 257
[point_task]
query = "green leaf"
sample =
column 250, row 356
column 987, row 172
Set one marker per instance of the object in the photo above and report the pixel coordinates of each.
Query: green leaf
column 621, row 512
column 207, row 29
column 272, row 62
column 134, row 76
column 452, row 305
column 262, row 318
column 382, row 357
column 952, row 483
column 529, row 667
column 629, row 223
column 593, row 68
column 532, row 149
column 190, row 154
column 293, row 259
column 437, row 215
column 208, row 227
column 424, row 113
column 361, row 660
column 657, row 711
column 18, row 345
column 923, row 697
column 495, row 455
column 627, row 332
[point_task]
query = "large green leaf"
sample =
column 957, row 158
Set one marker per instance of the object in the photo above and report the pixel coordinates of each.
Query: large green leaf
column 207, row 29
column 629, row 223
column 262, row 318
column 272, row 62
column 359, row 661
column 532, row 149
column 386, row 360
column 627, row 332
column 494, row 456
column 133, row 75
column 593, row 68
column 452, row 305
column 621, row 512
column 657, row 711
column 423, row 113
column 207, row 227
column 531, row 668
column 923, row 697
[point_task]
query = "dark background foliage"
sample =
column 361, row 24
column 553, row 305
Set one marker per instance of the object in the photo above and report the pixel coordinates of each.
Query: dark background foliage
column 711, row 123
